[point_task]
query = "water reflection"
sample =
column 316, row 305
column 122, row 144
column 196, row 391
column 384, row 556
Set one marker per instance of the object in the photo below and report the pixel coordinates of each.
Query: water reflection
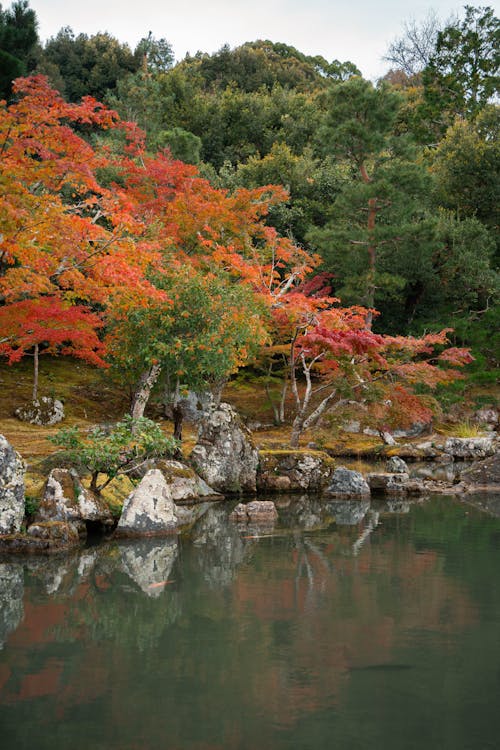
column 149, row 564
column 11, row 599
column 345, row 617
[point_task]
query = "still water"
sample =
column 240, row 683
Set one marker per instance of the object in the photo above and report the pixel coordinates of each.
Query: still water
column 345, row 626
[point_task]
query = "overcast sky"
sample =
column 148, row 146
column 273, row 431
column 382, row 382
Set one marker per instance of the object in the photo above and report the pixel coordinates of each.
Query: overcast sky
column 356, row 30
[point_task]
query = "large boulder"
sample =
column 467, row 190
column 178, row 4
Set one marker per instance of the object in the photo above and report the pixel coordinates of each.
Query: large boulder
column 224, row 455
column 42, row 411
column 66, row 499
column 474, row 448
column 184, row 483
column 347, row 483
column 483, row 474
column 294, row 470
column 12, row 471
column 149, row 510
column 396, row 465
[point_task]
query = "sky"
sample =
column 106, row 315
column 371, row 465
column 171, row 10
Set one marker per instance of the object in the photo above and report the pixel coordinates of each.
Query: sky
column 355, row 30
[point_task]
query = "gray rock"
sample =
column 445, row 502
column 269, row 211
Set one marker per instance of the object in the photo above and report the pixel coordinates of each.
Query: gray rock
column 42, row 411
column 387, row 482
column 474, row 448
column 396, row 465
column 12, row 472
column 483, row 474
column 149, row 510
column 294, row 470
column 193, row 405
column 66, row 499
column 225, row 456
column 184, row 483
column 348, row 483
column 487, row 416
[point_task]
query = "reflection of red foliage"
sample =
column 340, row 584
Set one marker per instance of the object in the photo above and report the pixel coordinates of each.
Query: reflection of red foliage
column 45, row 682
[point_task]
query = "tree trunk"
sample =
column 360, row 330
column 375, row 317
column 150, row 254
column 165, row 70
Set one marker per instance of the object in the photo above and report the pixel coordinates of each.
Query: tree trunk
column 297, row 430
column 143, row 391
column 35, row 373
column 178, row 416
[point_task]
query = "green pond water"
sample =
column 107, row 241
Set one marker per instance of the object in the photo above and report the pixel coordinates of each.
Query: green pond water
column 348, row 625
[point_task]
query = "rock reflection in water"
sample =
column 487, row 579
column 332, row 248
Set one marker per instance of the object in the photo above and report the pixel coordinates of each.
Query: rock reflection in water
column 219, row 545
column 487, row 502
column 348, row 512
column 149, row 563
column 11, row 599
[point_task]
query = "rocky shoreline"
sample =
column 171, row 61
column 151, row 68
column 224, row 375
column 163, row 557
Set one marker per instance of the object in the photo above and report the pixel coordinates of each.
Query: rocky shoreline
column 226, row 463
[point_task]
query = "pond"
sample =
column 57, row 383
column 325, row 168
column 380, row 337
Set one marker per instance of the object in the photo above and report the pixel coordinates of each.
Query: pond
column 347, row 625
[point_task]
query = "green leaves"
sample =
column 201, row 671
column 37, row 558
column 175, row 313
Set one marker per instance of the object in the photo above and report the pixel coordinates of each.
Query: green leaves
column 119, row 449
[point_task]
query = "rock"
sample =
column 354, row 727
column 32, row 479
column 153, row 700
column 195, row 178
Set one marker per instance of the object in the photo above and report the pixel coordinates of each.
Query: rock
column 193, row 405
column 225, row 456
column 54, row 535
column 487, row 416
column 396, row 465
column 348, row 483
column 11, row 599
column 42, row 411
column 294, row 471
column 386, row 482
column 66, row 499
column 149, row 510
column 257, row 511
column 483, row 474
column 149, row 564
column 12, row 471
column 469, row 447
column 184, row 483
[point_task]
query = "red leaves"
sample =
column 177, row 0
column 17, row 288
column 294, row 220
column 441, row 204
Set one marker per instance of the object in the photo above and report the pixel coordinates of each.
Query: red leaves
column 59, row 326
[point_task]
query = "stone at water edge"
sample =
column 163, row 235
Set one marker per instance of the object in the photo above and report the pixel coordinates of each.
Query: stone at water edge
column 149, row 510
column 485, row 473
column 66, row 499
column 224, row 455
column 43, row 411
column 12, row 470
column 348, row 483
column 479, row 447
column 396, row 465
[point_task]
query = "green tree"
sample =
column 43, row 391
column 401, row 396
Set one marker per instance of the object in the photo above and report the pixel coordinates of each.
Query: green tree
column 120, row 449
column 88, row 65
column 377, row 241
column 18, row 41
column 466, row 166
column 462, row 74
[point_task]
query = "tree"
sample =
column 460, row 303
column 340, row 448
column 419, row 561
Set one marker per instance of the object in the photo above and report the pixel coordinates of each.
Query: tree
column 89, row 65
column 66, row 246
column 18, row 39
column 207, row 329
column 411, row 52
column 466, row 167
column 378, row 234
column 341, row 361
column 121, row 449
column 462, row 74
